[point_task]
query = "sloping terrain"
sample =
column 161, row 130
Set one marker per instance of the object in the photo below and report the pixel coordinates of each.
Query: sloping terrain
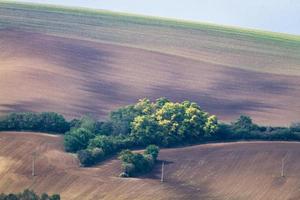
column 225, row 171
column 77, row 62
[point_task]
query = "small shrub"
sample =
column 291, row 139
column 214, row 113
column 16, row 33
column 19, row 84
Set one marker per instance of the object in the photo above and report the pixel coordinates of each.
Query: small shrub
column 136, row 163
column 90, row 157
column 77, row 139
column 152, row 150
column 128, row 168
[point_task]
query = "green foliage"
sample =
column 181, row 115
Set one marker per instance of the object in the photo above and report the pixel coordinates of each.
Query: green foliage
column 295, row 127
column 87, row 123
column 104, row 142
column 121, row 120
column 101, row 147
column 105, row 128
column 128, row 169
column 29, row 195
column 136, row 163
column 89, row 157
column 244, row 129
column 145, row 130
column 211, row 126
column 162, row 122
column 152, row 150
column 167, row 123
column 244, row 123
column 90, row 124
column 41, row 122
column 77, row 139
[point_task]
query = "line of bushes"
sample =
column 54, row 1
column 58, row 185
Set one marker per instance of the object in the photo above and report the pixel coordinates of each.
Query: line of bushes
column 244, row 129
column 29, row 195
column 40, row 122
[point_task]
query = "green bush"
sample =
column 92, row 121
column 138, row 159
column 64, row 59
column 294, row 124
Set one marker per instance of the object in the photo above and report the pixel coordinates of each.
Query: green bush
column 121, row 120
column 295, row 127
column 128, row 169
column 90, row 157
column 152, row 150
column 106, row 143
column 77, row 139
column 136, row 163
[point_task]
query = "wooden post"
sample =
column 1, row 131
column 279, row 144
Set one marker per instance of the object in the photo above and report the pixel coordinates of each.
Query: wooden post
column 33, row 163
column 162, row 172
column 282, row 167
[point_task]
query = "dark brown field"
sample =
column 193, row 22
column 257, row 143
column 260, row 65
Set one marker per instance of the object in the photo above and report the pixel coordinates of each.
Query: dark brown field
column 245, row 170
column 76, row 77
column 79, row 62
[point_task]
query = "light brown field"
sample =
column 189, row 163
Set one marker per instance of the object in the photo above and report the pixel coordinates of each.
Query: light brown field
column 225, row 171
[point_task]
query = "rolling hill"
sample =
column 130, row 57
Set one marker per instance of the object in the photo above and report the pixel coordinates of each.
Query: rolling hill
column 76, row 61
column 225, row 171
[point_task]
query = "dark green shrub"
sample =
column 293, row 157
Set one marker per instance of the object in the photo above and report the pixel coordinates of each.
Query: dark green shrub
column 86, row 157
column 152, row 150
column 128, row 169
column 105, row 128
column 136, row 163
column 90, row 157
column 29, row 195
column 55, row 197
column 77, row 139
column 295, row 127
column 106, row 143
column 225, row 132
column 41, row 122
column 121, row 120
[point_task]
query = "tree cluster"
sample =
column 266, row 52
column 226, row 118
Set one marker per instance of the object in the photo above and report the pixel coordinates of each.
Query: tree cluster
column 163, row 123
column 29, row 195
column 136, row 163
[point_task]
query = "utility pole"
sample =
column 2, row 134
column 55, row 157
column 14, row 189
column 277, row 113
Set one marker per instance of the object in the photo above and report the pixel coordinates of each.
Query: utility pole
column 33, row 163
column 282, row 167
column 162, row 172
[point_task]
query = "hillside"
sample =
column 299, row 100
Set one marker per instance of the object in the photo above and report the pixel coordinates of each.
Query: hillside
column 76, row 61
column 225, row 171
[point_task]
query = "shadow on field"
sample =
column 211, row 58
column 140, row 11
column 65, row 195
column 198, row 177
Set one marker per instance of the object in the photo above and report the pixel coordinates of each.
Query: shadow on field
column 182, row 189
column 23, row 106
column 215, row 104
column 236, row 81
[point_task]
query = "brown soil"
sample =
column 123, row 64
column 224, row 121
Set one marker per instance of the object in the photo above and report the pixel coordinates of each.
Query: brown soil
column 226, row 171
column 76, row 77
